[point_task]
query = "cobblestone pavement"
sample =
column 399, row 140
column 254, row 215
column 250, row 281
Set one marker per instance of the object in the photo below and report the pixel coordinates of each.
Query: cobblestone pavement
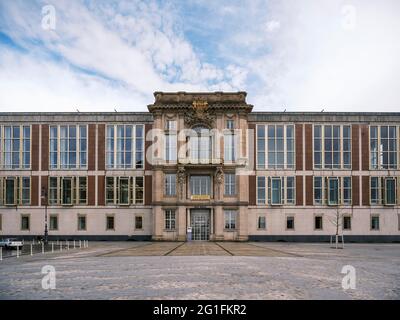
column 112, row 270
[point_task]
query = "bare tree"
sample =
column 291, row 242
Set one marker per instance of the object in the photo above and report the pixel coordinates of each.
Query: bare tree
column 337, row 221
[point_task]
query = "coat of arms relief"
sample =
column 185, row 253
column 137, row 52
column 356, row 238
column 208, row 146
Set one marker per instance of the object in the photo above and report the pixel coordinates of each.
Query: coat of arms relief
column 199, row 113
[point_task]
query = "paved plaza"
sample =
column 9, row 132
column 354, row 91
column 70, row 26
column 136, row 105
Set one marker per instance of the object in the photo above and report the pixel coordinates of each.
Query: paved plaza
column 206, row 270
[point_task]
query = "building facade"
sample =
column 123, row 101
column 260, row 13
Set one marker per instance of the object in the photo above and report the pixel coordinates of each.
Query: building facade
column 204, row 165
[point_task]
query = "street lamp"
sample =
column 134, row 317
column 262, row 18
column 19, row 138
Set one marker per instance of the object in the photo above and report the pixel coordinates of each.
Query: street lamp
column 44, row 200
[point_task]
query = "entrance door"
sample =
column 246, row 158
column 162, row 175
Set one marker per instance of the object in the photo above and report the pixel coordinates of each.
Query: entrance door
column 200, row 225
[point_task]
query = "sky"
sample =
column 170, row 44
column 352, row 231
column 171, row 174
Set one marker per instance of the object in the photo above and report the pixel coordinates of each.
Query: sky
column 101, row 55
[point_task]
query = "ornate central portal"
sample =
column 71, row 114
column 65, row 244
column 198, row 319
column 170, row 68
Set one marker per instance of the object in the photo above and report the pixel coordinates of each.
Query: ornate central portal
column 200, row 220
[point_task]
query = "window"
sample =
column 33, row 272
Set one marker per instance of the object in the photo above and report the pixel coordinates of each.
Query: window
column 289, row 223
column 332, row 147
column 318, row 222
column 346, row 223
column 374, row 222
column 261, row 223
column 333, row 191
column 16, row 143
column 15, row 191
column 200, row 185
column 138, row 222
column 67, row 191
column 230, row 124
column 347, row 190
column 124, row 190
column 281, row 190
column 170, row 219
column 318, row 197
column 230, row 219
column 81, row 223
column 170, row 184
column 68, row 147
column 170, row 146
column 383, row 147
column 25, row 222
column 124, row 146
column 109, row 222
column 170, row 125
column 280, row 146
column 390, row 191
column 383, row 190
column 230, row 184
column 230, row 141
column 200, row 145
column 53, row 222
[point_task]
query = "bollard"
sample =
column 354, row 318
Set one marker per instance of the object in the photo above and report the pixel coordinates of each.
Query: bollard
column 31, row 249
column 17, row 252
column 52, row 247
column 1, row 253
column 80, row 244
column 67, row 245
column 60, row 246
column 74, row 243
column 42, row 248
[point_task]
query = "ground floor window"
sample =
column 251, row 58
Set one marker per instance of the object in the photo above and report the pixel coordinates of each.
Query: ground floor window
column 346, row 223
column 318, row 223
column 15, row 191
column 374, row 222
column 139, row 222
column 170, row 219
column 67, row 191
column 25, row 222
column 110, row 222
column 230, row 219
column 53, row 222
column 261, row 223
column 81, row 223
column 289, row 223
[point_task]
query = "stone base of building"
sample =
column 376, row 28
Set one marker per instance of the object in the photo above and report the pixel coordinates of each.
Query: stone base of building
column 326, row 238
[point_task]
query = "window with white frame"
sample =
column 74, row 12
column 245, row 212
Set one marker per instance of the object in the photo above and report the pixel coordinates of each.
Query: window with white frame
column 383, row 147
column 332, row 147
column 124, row 190
column 275, row 146
column 170, row 220
column 230, row 124
column 170, row 184
column 68, row 147
column 200, row 144
column 261, row 223
column 230, row 219
column 383, row 190
column 124, row 146
column 170, row 146
column 67, row 191
column 332, row 190
column 53, row 225
column 230, row 141
column 230, row 184
column 15, row 147
column 375, row 222
column 200, row 185
column 276, row 190
column 15, row 191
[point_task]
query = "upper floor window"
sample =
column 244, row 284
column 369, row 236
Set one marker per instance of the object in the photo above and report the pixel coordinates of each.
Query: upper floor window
column 124, row 190
column 383, row 147
column 170, row 125
column 68, row 147
column 15, row 191
column 170, row 146
column 332, row 147
column 15, row 147
column 276, row 190
column 332, row 190
column 170, row 184
column 230, row 124
column 200, row 145
column 230, row 184
column 67, row 191
column 230, row 142
column 200, row 185
column 275, row 146
column 383, row 190
column 124, row 147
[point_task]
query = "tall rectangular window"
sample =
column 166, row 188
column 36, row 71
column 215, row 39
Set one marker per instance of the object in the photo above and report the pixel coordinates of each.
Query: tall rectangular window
column 81, row 222
column 230, row 184
column 332, row 146
column 124, row 190
column 318, row 191
column 110, row 222
column 276, row 191
column 68, row 147
column 374, row 222
column 170, row 184
column 200, row 185
column 346, row 223
column 230, row 124
column 10, row 198
column 230, row 219
column 25, row 222
column 290, row 190
column 383, row 147
column 230, row 139
column 375, row 190
column 390, row 191
column 261, row 223
column 347, row 190
column 170, row 146
column 290, row 223
column 170, row 220
column 333, row 191
column 139, row 190
column 67, row 191
column 275, row 146
column 16, row 147
column 124, row 146
column 318, row 222
column 139, row 222
column 261, row 190
column 16, row 190
column 53, row 222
